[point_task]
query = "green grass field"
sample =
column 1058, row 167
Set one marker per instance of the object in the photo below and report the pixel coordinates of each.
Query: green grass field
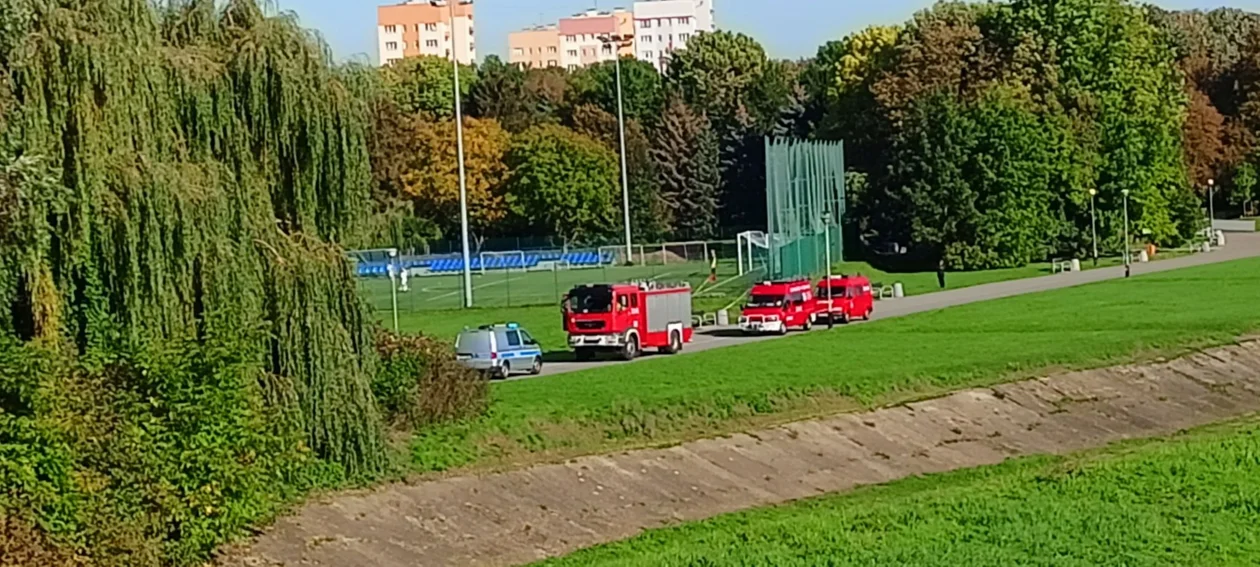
column 497, row 289
column 669, row 399
column 1189, row 500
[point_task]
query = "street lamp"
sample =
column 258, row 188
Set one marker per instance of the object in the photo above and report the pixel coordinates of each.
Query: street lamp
column 459, row 150
column 1093, row 220
column 826, row 220
column 617, row 41
column 1127, row 259
column 1211, row 206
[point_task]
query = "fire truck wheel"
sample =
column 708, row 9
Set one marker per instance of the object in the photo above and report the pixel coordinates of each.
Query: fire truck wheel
column 584, row 354
column 537, row 368
column 631, row 350
column 869, row 310
column 675, row 344
column 783, row 330
column 809, row 324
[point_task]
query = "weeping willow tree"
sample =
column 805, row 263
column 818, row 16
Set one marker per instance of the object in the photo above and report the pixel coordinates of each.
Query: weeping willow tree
column 180, row 173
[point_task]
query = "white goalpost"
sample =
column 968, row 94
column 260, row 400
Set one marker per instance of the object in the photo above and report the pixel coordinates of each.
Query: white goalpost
column 753, row 251
column 488, row 258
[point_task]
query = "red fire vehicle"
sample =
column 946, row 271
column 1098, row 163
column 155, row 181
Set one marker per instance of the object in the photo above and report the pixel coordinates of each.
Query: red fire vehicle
column 773, row 307
column 626, row 318
column 845, row 298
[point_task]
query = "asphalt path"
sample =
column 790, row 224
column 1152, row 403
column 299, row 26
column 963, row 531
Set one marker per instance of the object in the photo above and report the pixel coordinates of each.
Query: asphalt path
column 1239, row 245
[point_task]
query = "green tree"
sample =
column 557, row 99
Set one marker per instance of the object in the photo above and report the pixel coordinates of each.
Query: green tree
column 426, row 85
column 973, row 183
column 728, row 78
column 563, row 184
column 642, row 90
column 648, row 217
column 686, row 153
column 500, row 93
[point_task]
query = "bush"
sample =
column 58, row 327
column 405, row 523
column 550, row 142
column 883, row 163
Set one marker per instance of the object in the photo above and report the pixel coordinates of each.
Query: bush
column 419, row 382
column 152, row 457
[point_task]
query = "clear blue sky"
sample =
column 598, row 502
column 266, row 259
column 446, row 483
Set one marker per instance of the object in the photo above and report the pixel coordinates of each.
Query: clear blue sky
column 791, row 29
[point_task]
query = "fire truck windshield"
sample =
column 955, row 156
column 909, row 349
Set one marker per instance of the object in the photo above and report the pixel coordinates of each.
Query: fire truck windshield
column 765, row 301
column 836, row 291
column 591, row 300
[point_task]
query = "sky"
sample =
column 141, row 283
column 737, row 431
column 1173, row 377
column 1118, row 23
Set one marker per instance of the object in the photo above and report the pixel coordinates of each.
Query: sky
column 791, row 29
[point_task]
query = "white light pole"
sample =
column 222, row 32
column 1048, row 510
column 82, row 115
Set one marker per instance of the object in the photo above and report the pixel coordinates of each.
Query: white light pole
column 459, row 150
column 826, row 219
column 1093, row 220
column 616, row 41
column 1127, row 260
column 1211, row 207
column 393, row 289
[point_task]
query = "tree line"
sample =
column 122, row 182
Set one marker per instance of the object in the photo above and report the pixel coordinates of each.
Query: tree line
column 987, row 135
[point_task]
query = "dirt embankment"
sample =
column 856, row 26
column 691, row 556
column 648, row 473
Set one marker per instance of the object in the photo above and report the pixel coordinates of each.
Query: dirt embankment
column 525, row 515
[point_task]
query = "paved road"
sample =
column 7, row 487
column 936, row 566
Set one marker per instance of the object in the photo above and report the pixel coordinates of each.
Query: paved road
column 1241, row 245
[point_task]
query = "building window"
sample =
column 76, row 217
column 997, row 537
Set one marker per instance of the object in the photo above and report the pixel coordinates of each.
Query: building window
column 645, row 24
column 470, row 30
column 431, row 43
column 572, row 53
column 552, row 49
column 647, row 54
column 607, row 50
column 391, row 46
column 391, row 29
column 430, row 27
column 472, row 48
column 570, row 38
column 684, row 20
column 647, row 39
column 683, row 37
column 553, row 63
column 573, row 67
column 519, row 52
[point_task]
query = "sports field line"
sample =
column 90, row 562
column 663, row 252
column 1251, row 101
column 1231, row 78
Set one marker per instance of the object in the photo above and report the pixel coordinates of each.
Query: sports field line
column 476, row 287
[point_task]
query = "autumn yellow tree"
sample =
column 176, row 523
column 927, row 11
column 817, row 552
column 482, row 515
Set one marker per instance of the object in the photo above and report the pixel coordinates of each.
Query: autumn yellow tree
column 431, row 179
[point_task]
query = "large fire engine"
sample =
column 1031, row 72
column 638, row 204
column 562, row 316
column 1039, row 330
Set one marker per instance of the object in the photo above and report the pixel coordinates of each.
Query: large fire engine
column 774, row 307
column 627, row 318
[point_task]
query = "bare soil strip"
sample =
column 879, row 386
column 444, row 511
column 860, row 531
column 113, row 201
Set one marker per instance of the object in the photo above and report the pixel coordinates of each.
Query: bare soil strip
column 522, row 516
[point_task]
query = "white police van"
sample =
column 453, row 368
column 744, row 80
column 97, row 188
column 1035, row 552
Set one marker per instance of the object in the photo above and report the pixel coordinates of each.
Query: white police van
column 499, row 350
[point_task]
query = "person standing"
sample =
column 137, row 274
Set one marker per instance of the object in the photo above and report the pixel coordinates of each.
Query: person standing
column 940, row 273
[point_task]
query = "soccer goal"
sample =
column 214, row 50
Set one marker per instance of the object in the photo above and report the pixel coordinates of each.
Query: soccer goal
column 753, row 249
column 505, row 261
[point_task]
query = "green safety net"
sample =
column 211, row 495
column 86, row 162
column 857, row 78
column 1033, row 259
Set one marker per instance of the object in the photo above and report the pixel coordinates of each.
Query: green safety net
column 805, row 206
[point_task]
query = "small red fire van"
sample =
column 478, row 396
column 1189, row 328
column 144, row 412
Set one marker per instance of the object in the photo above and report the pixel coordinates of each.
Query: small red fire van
column 773, row 307
column 845, row 298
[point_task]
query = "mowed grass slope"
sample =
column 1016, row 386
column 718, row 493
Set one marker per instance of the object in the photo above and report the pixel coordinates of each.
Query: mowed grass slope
column 670, row 398
column 1190, row 500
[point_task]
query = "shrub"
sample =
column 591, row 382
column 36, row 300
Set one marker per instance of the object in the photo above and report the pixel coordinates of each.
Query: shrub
column 419, row 382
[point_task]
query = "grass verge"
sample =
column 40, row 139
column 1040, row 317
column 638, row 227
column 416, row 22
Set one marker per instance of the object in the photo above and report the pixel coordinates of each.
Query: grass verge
column 1190, row 499
column 666, row 400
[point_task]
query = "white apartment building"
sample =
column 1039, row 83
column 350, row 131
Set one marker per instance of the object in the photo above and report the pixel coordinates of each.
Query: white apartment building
column 662, row 27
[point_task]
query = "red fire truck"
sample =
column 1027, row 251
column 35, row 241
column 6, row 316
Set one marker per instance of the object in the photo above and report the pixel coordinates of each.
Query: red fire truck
column 627, row 318
column 845, row 298
column 773, row 307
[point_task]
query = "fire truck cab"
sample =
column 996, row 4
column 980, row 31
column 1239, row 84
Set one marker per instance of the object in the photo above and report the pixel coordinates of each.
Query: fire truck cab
column 773, row 307
column 845, row 298
column 627, row 318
